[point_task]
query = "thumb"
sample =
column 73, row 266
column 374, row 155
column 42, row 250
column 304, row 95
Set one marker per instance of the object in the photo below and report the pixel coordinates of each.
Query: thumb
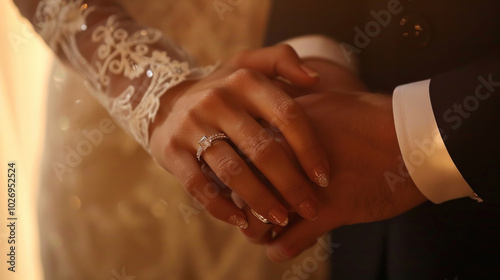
column 291, row 90
column 278, row 61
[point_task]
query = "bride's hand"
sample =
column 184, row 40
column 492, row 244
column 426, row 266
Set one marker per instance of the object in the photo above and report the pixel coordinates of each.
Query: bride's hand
column 232, row 100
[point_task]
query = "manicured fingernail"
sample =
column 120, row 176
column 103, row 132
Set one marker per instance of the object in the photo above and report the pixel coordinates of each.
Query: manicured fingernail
column 278, row 216
column 238, row 221
column 320, row 177
column 307, row 209
column 309, row 71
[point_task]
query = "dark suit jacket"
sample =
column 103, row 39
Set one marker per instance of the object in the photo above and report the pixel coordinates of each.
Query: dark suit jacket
column 456, row 44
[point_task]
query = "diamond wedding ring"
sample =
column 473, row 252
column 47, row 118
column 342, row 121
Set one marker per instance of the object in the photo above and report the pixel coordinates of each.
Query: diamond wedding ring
column 207, row 142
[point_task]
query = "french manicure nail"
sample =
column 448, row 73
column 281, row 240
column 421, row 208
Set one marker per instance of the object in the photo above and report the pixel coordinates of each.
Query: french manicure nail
column 309, row 71
column 238, row 221
column 307, row 209
column 278, row 216
column 320, row 177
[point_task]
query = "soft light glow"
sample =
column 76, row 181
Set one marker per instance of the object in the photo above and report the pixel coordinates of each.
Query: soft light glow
column 26, row 63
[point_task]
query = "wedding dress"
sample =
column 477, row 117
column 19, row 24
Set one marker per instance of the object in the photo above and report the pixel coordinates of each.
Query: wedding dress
column 106, row 210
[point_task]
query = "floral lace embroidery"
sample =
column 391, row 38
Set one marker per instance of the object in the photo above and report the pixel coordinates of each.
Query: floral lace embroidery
column 118, row 53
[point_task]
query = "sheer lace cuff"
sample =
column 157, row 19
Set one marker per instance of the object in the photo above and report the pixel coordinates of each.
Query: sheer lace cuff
column 126, row 66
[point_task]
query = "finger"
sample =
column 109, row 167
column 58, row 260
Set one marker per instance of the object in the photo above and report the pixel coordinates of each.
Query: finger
column 205, row 192
column 293, row 241
column 232, row 170
column 257, row 231
column 280, row 60
column 275, row 230
column 291, row 90
column 293, row 217
column 270, row 159
column 284, row 113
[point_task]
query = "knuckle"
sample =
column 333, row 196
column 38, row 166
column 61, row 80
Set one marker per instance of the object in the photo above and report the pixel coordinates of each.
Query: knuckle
column 226, row 165
column 261, row 149
column 171, row 147
column 285, row 112
column 287, row 107
column 168, row 151
column 312, row 151
column 294, row 190
column 210, row 98
column 184, row 123
column 188, row 116
column 244, row 124
column 245, row 76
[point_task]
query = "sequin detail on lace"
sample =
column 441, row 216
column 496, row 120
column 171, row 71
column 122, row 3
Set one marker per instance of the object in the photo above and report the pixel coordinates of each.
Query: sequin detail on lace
column 151, row 71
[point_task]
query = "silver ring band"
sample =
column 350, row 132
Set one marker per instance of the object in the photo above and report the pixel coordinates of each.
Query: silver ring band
column 260, row 217
column 207, row 142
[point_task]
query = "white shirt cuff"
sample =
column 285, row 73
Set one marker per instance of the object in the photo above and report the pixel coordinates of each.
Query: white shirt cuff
column 322, row 47
column 424, row 153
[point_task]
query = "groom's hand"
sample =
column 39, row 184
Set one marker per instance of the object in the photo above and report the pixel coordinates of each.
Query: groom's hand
column 358, row 132
column 334, row 77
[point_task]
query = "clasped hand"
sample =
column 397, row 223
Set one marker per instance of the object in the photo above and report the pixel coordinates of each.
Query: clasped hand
column 232, row 100
column 356, row 128
column 333, row 122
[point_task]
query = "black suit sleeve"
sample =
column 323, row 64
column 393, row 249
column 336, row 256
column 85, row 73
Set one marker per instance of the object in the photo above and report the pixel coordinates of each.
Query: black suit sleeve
column 466, row 104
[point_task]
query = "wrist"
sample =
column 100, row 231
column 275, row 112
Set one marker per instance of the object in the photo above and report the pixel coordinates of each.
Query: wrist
column 167, row 101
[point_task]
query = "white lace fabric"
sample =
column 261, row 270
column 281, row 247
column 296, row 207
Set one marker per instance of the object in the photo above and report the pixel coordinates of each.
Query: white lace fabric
column 133, row 57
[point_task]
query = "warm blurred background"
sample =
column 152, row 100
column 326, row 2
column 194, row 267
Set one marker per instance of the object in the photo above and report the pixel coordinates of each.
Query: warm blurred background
column 116, row 214
column 24, row 72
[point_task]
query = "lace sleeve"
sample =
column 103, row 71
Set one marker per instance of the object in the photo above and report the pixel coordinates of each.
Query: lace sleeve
column 126, row 66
